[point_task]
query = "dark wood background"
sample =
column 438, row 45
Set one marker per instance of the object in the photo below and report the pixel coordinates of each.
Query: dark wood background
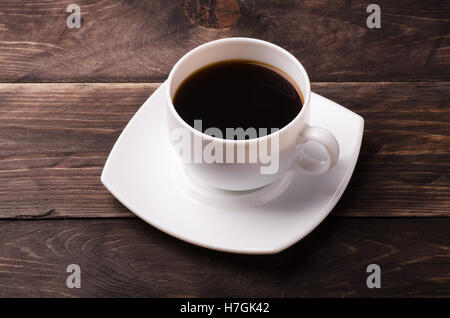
column 66, row 94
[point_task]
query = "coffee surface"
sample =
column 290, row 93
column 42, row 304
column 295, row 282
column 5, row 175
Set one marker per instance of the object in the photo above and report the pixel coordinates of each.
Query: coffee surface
column 237, row 93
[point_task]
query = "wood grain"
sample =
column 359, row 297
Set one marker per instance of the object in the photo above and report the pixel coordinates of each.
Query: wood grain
column 139, row 41
column 55, row 138
column 126, row 257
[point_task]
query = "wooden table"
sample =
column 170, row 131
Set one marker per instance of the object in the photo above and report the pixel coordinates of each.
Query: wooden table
column 66, row 94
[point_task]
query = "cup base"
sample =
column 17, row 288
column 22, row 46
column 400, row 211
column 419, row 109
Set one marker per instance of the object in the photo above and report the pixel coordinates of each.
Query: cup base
column 220, row 198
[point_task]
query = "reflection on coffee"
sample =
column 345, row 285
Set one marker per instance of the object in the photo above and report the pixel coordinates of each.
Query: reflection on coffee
column 238, row 93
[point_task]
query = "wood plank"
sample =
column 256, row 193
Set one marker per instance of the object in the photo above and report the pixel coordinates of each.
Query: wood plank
column 121, row 258
column 139, row 41
column 55, row 138
column 404, row 164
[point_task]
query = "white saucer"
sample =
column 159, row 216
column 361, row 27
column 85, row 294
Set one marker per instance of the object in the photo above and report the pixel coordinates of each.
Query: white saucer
column 141, row 173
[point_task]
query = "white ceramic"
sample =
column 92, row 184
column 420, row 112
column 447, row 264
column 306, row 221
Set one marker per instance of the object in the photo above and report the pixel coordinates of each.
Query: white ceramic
column 142, row 173
column 247, row 176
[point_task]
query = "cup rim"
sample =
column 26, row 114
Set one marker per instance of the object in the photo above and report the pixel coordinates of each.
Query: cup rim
column 306, row 95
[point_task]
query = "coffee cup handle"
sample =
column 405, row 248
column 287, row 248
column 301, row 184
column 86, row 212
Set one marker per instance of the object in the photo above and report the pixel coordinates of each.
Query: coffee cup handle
column 324, row 137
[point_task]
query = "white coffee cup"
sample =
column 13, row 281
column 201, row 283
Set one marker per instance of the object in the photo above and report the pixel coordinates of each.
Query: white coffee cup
column 286, row 143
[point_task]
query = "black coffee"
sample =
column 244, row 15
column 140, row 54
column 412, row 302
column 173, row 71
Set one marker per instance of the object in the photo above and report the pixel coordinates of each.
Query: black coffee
column 238, row 93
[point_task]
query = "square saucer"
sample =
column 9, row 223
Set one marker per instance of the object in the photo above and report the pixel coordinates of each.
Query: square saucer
column 141, row 173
